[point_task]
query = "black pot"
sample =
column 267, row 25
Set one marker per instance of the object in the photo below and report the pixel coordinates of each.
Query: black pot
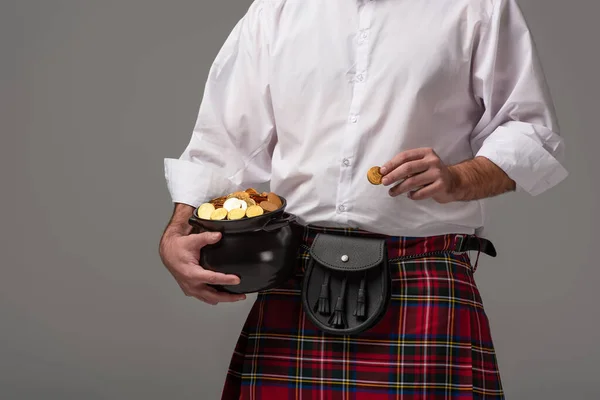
column 261, row 250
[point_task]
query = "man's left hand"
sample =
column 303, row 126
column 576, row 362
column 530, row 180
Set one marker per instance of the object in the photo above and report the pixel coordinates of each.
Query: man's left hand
column 421, row 174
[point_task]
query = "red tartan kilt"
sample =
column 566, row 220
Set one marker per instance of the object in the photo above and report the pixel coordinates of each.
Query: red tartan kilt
column 433, row 343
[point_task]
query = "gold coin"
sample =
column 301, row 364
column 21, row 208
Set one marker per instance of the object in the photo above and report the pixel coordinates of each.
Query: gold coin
column 234, row 202
column 250, row 202
column 236, row 213
column 374, row 176
column 205, row 210
column 218, row 201
column 273, row 198
column 239, row 195
column 268, row 206
column 254, row 211
column 218, row 214
column 251, row 191
column 259, row 199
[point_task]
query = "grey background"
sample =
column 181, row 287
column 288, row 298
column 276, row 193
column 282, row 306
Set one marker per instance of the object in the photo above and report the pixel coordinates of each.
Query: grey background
column 94, row 94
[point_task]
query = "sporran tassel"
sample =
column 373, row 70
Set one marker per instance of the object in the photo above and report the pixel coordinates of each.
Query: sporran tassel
column 360, row 311
column 322, row 306
column 338, row 318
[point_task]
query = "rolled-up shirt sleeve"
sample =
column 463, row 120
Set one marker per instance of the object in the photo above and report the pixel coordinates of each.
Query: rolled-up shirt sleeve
column 518, row 130
column 233, row 138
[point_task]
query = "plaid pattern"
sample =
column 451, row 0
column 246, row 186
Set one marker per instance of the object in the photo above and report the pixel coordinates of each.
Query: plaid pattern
column 433, row 343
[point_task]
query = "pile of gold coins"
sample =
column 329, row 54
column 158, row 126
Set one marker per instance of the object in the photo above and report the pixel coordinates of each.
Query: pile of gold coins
column 239, row 205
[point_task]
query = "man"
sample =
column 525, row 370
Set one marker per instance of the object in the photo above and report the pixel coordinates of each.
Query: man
column 448, row 96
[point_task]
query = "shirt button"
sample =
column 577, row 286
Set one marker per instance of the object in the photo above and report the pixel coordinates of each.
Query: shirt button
column 346, row 162
column 342, row 208
column 354, row 119
column 360, row 77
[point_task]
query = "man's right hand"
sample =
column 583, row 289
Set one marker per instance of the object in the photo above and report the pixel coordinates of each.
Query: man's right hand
column 180, row 253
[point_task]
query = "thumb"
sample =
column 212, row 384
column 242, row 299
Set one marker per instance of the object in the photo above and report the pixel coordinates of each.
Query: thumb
column 199, row 240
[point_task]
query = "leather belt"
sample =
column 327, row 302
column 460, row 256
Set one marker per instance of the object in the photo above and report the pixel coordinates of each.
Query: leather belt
column 475, row 243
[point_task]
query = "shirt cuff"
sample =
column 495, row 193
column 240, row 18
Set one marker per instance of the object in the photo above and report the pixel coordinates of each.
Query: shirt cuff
column 524, row 160
column 193, row 184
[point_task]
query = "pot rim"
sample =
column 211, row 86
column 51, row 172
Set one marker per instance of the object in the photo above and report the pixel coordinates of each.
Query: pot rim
column 242, row 225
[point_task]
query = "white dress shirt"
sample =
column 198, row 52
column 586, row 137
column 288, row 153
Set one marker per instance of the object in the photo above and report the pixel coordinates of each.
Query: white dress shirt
column 309, row 94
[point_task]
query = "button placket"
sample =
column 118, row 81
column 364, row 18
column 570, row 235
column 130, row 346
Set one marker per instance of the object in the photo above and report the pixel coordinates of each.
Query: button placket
column 363, row 36
column 359, row 80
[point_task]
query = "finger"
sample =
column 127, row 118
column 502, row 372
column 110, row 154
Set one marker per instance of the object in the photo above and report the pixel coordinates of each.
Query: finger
column 426, row 192
column 403, row 157
column 201, row 276
column 406, row 170
column 213, row 295
column 198, row 240
column 413, row 183
column 195, row 294
column 205, row 300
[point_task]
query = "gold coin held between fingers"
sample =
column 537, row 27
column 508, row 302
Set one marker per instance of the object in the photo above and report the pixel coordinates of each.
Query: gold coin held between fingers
column 218, row 214
column 374, row 176
column 254, row 211
column 205, row 210
column 236, row 213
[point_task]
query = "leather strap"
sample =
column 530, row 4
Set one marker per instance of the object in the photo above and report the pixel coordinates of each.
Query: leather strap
column 474, row 243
